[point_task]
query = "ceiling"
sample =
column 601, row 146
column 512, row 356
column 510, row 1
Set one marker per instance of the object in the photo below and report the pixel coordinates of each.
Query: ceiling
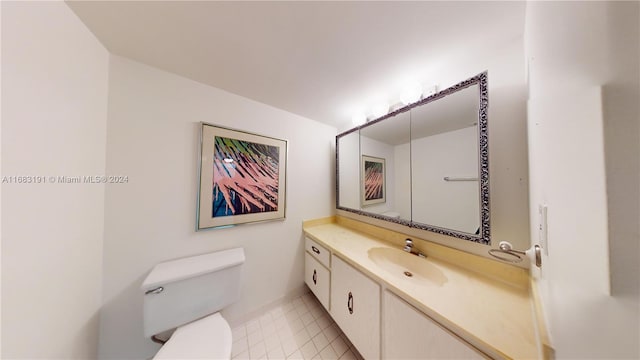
column 321, row 60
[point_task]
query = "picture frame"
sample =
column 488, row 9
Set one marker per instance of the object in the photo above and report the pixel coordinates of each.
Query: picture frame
column 242, row 178
column 373, row 180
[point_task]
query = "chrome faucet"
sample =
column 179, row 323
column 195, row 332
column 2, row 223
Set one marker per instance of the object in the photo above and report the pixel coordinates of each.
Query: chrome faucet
column 408, row 247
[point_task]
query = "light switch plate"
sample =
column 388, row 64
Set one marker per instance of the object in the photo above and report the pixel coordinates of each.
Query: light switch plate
column 543, row 234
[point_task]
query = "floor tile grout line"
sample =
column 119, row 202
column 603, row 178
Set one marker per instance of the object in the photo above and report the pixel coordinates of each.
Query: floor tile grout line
column 293, row 315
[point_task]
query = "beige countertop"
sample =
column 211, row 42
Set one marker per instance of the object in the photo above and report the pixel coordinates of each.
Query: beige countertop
column 493, row 314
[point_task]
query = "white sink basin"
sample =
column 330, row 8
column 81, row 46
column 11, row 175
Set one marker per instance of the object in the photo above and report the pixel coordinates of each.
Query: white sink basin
column 407, row 266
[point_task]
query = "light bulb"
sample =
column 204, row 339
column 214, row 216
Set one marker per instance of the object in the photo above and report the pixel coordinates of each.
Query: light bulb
column 358, row 118
column 380, row 109
column 411, row 93
column 430, row 90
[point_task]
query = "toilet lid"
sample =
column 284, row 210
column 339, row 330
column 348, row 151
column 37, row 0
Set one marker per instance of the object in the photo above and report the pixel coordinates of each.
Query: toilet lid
column 207, row 338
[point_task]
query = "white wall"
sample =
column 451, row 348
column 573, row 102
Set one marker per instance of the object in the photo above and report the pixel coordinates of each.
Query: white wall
column 584, row 148
column 54, row 97
column 0, row 186
column 153, row 138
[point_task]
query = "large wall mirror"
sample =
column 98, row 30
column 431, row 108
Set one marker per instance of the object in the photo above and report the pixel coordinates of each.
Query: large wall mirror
column 425, row 165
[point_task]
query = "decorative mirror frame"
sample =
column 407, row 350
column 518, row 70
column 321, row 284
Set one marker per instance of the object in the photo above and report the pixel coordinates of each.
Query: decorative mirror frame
column 484, row 237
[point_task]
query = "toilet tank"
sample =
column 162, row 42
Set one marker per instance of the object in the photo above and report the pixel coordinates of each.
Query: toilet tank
column 179, row 291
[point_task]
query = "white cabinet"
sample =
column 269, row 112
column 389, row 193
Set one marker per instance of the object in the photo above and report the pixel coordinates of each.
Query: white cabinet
column 318, row 251
column 317, row 278
column 355, row 307
column 380, row 328
column 409, row 334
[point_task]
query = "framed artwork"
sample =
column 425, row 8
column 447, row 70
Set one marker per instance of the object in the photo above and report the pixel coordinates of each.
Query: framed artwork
column 242, row 178
column 373, row 180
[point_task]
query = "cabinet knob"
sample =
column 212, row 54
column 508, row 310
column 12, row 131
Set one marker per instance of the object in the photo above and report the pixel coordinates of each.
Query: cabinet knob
column 350, row 303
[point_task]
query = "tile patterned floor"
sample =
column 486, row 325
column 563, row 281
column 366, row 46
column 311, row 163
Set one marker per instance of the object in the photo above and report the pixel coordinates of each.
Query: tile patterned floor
column 299, row 329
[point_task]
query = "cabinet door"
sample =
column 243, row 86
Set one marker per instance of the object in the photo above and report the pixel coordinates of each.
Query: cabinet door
column 409, row 334
column 317, row 278
column 355, row 306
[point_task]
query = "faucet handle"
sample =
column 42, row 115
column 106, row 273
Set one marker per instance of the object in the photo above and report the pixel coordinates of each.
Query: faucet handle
column 408, row 242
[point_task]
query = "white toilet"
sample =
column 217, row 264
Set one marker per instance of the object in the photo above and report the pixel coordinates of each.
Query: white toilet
column 187, row 294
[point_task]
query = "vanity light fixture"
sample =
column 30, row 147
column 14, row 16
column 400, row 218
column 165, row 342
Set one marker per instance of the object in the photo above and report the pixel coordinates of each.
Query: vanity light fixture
column 411, row 93
column 358, row 118
column 430, row 90
column 380, row 109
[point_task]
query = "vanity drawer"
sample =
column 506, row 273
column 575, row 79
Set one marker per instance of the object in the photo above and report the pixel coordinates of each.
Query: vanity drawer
column 317, row 278
column 319, row 252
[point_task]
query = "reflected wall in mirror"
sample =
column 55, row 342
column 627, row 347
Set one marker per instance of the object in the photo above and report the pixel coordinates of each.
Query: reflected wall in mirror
column 348, row 170
column 435, row 153
column 389, row 140
column 444, row 144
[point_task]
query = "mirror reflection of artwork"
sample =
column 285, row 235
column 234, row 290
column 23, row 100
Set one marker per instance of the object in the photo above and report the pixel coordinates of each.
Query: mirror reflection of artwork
column 245, row 177
column 373, row 180
column 242, row 178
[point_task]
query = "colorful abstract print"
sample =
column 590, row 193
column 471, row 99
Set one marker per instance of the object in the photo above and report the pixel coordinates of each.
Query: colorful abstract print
column 245, row 177
column 373, row 180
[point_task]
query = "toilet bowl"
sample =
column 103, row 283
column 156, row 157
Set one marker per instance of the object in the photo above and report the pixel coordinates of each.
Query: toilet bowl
column 207, row 338
column 187, row 295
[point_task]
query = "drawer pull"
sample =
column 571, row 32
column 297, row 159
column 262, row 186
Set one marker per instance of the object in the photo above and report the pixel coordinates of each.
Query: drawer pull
column 157, row 290
column 315, row 249
column 315, row 276
column 350, row 303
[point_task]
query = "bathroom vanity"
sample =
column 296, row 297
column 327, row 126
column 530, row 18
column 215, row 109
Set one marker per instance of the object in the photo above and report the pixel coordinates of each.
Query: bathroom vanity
column 393, row 305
